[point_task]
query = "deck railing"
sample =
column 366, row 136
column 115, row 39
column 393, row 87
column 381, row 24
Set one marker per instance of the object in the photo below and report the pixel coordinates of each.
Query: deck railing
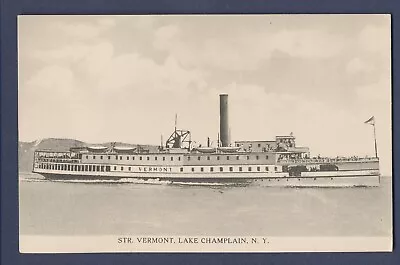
column 57, row 160
column 327, row 160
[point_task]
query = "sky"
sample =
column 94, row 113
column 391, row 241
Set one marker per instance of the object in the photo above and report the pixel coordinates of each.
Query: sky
column 123, row 78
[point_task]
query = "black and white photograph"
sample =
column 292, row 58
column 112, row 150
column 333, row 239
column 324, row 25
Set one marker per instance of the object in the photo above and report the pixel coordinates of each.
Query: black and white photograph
column 205, row 133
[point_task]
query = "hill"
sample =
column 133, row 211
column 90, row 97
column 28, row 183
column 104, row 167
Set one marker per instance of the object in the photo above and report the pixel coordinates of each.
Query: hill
column 27, row 149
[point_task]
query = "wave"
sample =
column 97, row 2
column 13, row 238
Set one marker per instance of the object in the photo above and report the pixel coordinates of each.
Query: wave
column 117, row 181
column 33, row 179
column 98, row 181
column 128, row 181
column 182, row 183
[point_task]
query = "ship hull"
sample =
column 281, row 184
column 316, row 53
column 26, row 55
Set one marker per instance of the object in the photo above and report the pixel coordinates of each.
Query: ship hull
column 367, row 179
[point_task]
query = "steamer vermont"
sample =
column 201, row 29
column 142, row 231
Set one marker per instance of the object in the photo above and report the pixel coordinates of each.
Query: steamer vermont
column 277, row 162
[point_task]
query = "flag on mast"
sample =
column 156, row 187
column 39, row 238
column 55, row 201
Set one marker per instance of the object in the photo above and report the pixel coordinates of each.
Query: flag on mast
column 370, row 121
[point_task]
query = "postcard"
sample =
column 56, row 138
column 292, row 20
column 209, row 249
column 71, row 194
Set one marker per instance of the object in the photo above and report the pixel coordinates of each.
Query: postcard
column 205, row 133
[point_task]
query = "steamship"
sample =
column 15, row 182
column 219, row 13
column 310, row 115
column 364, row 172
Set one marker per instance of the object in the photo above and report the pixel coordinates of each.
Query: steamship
column 278, row 162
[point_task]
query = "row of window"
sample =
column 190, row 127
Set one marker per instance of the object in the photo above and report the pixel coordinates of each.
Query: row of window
column 122, row 168
column 100, row 168
column 251, row 145
column 228, row 157
column 221, row 169
column 67, row 167
column 179, row 158
column 133, row 158
column 231, row 169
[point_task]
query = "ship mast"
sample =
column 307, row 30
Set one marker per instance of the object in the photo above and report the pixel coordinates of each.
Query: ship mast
column 176, row 120
column 376, row 146
column 178, row 137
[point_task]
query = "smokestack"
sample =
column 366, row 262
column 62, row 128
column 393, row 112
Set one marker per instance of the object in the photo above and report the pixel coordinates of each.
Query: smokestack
column 223, row 120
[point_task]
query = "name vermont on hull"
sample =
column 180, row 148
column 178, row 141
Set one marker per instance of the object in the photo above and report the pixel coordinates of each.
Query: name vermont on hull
column 154, row 169
column 277, row 162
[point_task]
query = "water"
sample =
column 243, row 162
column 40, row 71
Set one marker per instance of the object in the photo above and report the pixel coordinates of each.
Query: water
column 132, row 208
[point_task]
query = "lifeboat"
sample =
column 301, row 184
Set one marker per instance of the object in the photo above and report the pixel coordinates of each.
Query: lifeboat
column 228, row 149
column 97, row 148
column 206, row 149
column 124, row 148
